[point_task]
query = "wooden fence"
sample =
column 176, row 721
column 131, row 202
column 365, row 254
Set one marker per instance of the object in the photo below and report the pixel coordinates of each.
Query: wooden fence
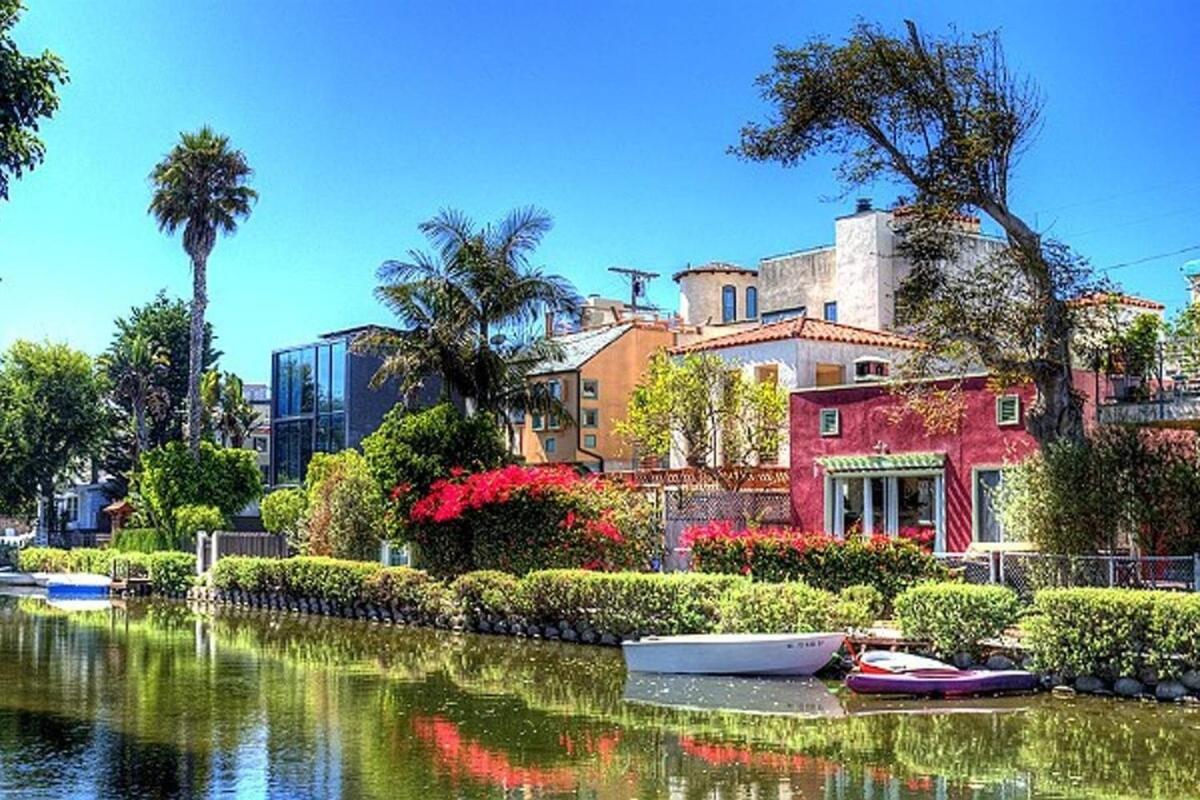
column 212, row 547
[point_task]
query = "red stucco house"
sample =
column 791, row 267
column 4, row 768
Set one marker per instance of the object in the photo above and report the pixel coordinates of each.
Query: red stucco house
column 859, row 461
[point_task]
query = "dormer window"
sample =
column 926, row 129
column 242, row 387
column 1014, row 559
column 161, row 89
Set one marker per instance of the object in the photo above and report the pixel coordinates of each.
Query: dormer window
column 870, row 368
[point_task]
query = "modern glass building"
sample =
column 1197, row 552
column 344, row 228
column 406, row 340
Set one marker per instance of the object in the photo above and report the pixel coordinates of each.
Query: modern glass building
column 322, row 402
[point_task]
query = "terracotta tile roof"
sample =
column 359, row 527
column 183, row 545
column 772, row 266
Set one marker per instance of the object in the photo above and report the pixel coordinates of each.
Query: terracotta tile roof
column 1100, row 298
column 804, row 328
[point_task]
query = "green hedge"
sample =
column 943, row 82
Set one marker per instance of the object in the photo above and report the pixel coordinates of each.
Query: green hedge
column 621, row 603
column 956, row 617
column 170, row 573
column 1115, row 632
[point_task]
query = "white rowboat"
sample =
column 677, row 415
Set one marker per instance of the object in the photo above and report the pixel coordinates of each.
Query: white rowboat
column 733, row 653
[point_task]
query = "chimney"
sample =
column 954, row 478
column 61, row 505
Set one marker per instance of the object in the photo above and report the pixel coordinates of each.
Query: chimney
column 862, row 205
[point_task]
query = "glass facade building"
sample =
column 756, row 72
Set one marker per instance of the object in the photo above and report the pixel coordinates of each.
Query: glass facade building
column 309, row 413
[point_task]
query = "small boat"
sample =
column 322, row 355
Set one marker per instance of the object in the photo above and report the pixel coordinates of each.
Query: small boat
column 891, row 662
column 77, row 585
column 733, row 653
column 945, row 682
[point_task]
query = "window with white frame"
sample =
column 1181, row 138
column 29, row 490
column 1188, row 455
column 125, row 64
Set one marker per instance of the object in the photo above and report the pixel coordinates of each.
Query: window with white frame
column 589, row 440
column 1008, row 410
column 591, row 417
column 590, row 389
column 903, row 503
column 830, row 422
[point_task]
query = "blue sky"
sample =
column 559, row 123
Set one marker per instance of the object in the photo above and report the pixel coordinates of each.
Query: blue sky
column 363, row 119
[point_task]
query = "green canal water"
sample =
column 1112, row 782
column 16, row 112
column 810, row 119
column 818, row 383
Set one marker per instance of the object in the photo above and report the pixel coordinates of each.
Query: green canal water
column 159, row 700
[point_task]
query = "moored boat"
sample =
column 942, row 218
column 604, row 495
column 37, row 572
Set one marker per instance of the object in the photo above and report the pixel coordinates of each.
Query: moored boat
column 894, row 661
column 733, row 653
column 945, row 682
column 77, row 585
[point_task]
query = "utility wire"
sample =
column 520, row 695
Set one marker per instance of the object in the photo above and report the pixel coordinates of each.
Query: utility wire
column 1147, row 259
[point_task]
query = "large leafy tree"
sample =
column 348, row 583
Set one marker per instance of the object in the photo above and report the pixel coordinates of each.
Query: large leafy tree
column 52, row 420
column 164, row 324
column 946, row 119
column 200, row 186
column 28, row 93
column 137, row 368
column 718, row 421
column 465, row 309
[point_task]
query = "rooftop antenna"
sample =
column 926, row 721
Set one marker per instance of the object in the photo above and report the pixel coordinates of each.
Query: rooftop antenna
column 638, row 280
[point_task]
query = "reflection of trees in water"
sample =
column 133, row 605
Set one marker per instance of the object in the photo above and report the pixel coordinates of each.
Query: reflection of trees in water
column 156, row 700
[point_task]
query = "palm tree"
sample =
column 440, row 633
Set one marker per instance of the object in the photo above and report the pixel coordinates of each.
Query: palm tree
column 227, row 413
column 137, row 368
column 463, row 308
column 201, row 186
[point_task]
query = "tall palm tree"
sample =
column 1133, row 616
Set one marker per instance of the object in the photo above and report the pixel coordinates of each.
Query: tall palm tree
column 137, row 368
column 463, row 309
column 201, row 186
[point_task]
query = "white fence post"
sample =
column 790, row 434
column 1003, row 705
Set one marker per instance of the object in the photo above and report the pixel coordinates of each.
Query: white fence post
column 216, row 552
column 200, row 543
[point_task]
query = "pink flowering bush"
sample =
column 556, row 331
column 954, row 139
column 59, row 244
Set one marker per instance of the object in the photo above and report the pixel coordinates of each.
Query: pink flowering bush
column 518, row 519
column 778, row 555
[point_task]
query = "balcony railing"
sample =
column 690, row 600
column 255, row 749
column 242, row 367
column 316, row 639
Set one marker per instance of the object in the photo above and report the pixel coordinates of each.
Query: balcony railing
column 1172, row 408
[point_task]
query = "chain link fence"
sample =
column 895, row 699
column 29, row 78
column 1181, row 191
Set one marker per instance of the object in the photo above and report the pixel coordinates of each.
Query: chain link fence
column 1025, row 573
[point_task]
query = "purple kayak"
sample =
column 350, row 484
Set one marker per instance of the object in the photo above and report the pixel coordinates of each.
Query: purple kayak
column 947, row 682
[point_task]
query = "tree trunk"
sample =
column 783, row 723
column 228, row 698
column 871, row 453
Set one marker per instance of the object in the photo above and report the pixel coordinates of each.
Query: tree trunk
column 49, row 512
column 196, row 353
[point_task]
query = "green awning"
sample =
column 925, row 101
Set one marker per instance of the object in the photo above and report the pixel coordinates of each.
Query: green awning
column 892, row 462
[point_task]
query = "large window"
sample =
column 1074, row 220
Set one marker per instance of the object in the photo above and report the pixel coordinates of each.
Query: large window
column 309, row 399
column 886, row 504
column 728, row 304
column 751, row 302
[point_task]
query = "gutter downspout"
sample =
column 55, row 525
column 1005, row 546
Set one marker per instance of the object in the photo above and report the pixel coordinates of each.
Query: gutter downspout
column 579, row 420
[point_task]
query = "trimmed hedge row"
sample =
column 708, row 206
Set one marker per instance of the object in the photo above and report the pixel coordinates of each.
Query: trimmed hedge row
column 170, row 572
column 956, row 617
column 1113, row 633
column 616, row 603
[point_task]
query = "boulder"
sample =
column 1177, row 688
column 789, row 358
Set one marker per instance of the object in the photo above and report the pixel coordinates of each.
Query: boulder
column 998, row 662
column 1148, row 676
column 588, row 636
column 608, row 640
column 1088, row 684
column 569, row 635
column 963, row 660
column 1191, row 679
column 1129, row 687
column 1170, row 691
column 551, row 632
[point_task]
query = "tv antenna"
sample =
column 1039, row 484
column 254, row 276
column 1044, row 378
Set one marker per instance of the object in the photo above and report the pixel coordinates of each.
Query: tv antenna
column 638, row 280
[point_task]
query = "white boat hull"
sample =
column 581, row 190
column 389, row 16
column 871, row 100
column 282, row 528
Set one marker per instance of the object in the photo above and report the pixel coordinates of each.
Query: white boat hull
column 78, row 585
column 733, row 654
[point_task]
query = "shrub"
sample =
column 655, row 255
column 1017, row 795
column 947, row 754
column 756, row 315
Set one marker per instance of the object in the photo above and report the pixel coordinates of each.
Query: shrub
column 776, row 608
column 780, row 555
column 519, row 519
column 335, row 580
column 403, row 588
column 487, row 592
column 171, row 573
column 256, row 575
column 956, row 617
column 344, row 516
column 1115, row 632
column 140, row 540
column 169, row 478
column 412, row 449
column 858, row 607
column 42, row 559
column 283, row 513
column 193, row 519
column 626, row 602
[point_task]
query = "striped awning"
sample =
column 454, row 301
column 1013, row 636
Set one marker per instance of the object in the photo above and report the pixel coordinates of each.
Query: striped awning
column 891, row 462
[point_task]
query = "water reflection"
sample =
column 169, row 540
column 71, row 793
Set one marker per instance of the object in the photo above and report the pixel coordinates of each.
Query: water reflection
column 155, row 700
